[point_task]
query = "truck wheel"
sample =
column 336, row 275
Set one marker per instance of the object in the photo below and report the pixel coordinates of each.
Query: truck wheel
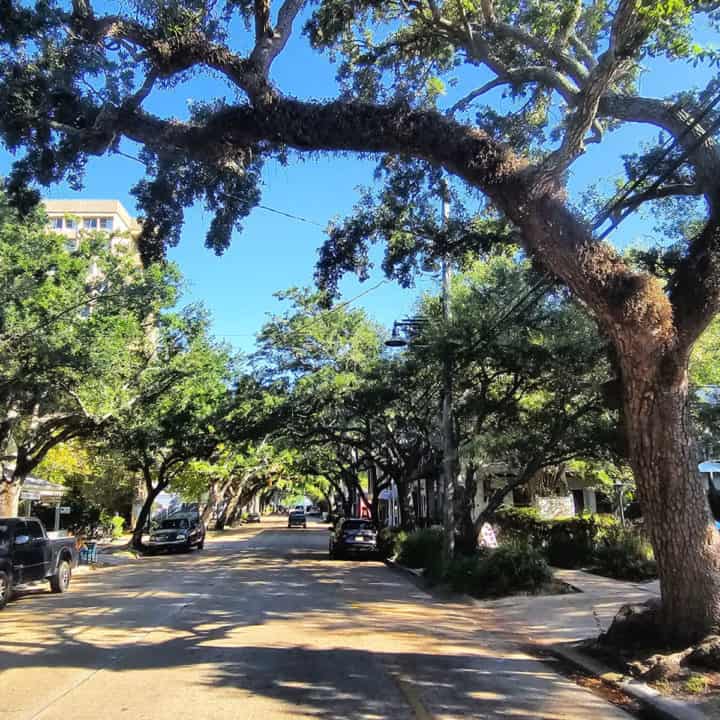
column 5, row 589
column 60, row 581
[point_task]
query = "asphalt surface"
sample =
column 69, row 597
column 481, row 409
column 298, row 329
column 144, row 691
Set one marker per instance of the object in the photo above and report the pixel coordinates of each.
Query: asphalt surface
column 261, row 624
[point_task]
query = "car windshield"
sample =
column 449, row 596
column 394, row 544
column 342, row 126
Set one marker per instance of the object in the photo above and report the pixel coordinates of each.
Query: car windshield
column 176, row 524
column 357, row 525
column 297, row 512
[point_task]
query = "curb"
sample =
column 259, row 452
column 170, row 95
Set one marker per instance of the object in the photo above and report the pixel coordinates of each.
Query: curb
column 662, row 707
column 413, row 572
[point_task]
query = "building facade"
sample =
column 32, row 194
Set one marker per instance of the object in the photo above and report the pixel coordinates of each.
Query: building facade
column 75, row 218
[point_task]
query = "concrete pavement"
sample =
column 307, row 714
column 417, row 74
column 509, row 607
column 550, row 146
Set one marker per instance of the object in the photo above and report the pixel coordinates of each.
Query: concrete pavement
column 554, row 619
column 262, row 625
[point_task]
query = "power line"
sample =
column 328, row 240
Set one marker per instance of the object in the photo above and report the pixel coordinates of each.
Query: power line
column 284, row 213
column 291, row 216
column 624, row 193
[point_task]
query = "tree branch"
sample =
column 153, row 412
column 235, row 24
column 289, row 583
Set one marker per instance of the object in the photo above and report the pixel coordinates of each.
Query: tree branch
column 678, row 189
column 271, row 42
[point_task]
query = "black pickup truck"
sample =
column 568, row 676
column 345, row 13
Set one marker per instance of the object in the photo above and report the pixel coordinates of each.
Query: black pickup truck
column 28, row 555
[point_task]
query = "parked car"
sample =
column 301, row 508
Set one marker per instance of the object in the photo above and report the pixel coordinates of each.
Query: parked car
column 297, row 518
column 28, row 555
column 178, row 532
column 353, row 536
column 253, row 518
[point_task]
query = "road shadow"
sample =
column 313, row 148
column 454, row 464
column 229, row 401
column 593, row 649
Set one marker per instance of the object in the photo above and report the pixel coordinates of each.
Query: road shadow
column 273, row 618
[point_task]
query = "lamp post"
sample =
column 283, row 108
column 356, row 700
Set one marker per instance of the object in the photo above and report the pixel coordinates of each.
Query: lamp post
column 448, row 430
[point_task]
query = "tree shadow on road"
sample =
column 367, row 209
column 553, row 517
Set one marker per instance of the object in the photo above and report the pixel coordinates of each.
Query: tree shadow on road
column 319, row 638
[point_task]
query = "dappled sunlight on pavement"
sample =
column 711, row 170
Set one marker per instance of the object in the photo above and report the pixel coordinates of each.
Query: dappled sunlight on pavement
column 262, row 625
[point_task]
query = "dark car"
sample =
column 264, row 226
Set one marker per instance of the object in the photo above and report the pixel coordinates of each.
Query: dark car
column 27, row 555
column 297, row 518
column 178, row 532
column 253, row 518
column 353, row 536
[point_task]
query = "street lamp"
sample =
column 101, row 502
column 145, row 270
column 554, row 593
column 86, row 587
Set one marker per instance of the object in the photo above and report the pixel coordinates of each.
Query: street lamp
column 396, row 341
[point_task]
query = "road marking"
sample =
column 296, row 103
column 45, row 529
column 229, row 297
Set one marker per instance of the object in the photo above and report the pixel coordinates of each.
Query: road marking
column 411, row 696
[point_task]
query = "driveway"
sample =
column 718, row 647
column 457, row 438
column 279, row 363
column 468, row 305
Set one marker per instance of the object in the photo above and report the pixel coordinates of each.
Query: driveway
column 262, row 625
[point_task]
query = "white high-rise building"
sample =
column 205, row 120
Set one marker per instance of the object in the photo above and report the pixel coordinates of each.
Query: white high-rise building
column 75, row 218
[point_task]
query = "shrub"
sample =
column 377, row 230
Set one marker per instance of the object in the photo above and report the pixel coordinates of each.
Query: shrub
column 522, row 525
column 625, row 554
column 462, row 573
column 695, row 684
column 571, row 542
column 510, row 568
column 567, row 542
column 118, row 524
column 421, row 549
column 389, row 541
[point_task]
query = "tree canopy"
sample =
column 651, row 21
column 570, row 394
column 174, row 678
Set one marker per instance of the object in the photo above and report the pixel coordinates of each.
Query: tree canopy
column 74, row 83
column 73, row 338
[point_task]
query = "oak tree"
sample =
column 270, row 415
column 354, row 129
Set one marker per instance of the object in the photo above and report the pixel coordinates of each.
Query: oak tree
column 74, row 83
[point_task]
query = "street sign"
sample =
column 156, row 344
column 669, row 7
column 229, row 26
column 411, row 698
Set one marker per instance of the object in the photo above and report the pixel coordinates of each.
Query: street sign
column 64, row 510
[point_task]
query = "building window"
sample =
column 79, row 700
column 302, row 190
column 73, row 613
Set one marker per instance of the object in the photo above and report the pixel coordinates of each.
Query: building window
column 69, row 223
column 106, row 223
column 57, row 223
column 90, row 223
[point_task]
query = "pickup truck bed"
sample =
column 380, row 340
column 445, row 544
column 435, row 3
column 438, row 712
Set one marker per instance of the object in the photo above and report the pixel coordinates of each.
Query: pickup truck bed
column 28, row 555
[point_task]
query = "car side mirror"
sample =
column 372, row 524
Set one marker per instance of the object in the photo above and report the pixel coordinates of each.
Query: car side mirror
column 22, row 539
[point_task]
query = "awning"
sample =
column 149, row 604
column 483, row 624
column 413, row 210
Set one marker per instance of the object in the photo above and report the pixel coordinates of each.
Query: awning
column 36, row 489
column 709, row 466
column 388, row 493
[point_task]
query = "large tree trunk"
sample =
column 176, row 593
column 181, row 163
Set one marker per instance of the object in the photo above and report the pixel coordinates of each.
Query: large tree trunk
column 466, row 542
column 673, row 498
column 228, row 513
column 143, row 517
column 10, row 498
column 406, row 514
column 216, row 496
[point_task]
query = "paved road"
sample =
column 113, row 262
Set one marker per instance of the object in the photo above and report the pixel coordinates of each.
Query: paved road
column 262, row 625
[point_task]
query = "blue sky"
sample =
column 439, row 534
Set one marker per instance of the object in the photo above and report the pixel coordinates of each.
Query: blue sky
column 275, row 252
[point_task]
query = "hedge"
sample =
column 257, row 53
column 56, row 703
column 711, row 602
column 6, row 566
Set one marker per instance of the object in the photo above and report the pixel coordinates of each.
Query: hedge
column 567, row 542
column 511, row 568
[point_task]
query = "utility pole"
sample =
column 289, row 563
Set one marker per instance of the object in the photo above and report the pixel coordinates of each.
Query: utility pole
column 448, row 430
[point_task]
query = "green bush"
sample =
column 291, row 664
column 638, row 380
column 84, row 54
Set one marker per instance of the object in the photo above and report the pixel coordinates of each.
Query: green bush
column 118, row 525
column 389, row 541
column 572, row 542
column 567, row 542
column 422, row 549
column 522, row 525
column 510, row 568
column 625, row 554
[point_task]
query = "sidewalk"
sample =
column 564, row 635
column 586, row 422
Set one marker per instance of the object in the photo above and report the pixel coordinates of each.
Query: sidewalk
column 552, row 619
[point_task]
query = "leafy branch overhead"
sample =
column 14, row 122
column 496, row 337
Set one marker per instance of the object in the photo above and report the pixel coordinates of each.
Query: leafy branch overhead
column 75, row 82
